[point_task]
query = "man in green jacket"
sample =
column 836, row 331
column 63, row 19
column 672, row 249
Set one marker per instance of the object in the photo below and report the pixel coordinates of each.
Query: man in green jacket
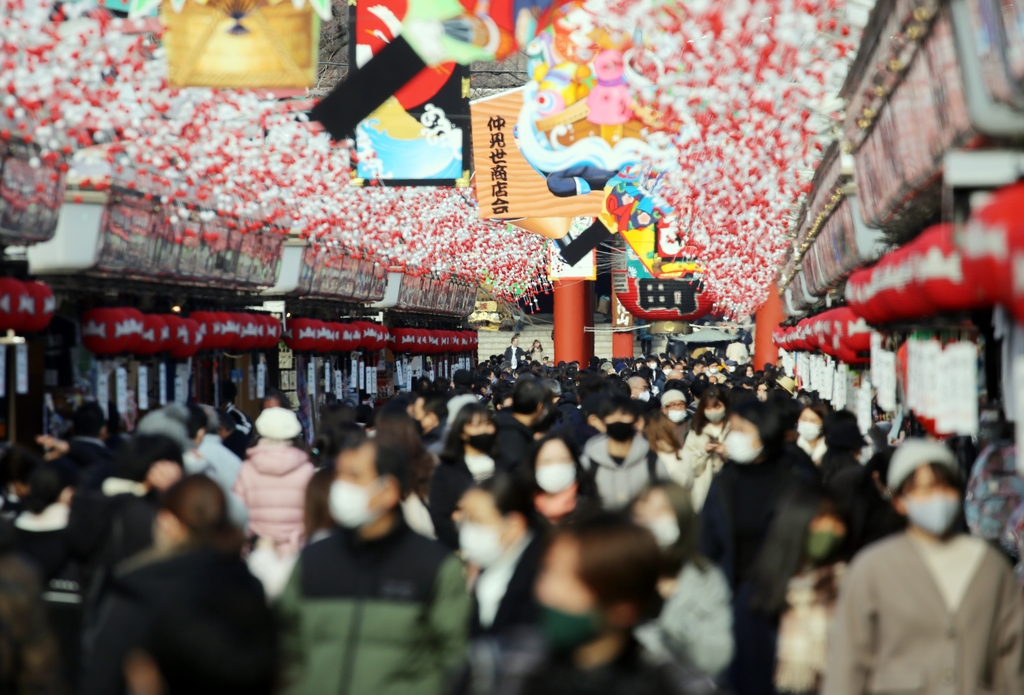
column 373, row 608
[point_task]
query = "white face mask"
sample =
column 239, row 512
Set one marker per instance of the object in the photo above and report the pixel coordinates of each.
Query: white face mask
column 714, row 415
column 665, row 529
column 808, row 430
column 739, row 447
column 676, row 416
column 480, row 466
column 555, row 477
column 644, row 396
column 480, row 544
column 350, row 504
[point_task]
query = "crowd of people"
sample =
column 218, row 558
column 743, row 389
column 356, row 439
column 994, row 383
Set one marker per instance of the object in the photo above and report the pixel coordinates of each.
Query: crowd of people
column 669, row 525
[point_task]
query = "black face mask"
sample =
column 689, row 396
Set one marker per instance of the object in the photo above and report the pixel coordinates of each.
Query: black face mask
column 482, row 442
column 620, row 431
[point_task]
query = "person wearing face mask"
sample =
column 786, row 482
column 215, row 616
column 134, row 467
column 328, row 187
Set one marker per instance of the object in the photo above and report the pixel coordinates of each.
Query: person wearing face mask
column 598, row 581
column 465, row 460
column 500, row 534
column 375, row 607
column 621, row 461
column 703, row 448
column 930, row 609
column 638, row 389
column 673, row 406
column 661, row 437
column 784, row 612
column 810, row 431
column 744, row 496
column 562, row 488
column 695, row 624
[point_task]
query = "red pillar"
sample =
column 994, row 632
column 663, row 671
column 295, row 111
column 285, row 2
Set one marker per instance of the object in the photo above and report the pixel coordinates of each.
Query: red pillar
column 570, row 319
column 588, row 323
column 622, row 324
column 767, row 319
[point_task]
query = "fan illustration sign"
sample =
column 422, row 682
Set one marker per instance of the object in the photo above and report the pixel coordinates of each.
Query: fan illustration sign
column 419, row 134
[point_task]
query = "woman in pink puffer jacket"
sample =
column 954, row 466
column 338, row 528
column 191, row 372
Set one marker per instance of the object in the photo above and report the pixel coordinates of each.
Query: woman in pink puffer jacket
column 272, row 481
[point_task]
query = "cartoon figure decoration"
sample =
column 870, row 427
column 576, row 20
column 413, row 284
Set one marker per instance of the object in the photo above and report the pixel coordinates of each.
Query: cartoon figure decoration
column 560, row 86
column 610, row 103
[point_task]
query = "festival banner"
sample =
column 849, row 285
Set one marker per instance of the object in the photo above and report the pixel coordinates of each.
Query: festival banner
column 508, row 186
column 419, row 135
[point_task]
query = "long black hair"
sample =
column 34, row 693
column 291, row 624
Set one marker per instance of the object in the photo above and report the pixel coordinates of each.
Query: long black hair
column 454, row 445
column 713, row 395
column 784, row 551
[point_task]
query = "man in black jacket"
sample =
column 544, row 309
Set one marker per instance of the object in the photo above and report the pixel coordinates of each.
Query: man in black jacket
column 515, row 428
column 515, row 355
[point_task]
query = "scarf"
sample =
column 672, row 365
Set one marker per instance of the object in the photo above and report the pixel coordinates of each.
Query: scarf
column 803, row 629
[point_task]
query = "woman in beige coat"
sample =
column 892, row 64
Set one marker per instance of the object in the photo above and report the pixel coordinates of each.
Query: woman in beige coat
column 930, row 610
column 703, row 448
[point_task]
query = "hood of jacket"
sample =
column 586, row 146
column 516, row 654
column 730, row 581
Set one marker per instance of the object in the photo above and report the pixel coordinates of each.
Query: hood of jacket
column 276, row 459
column 597, row 451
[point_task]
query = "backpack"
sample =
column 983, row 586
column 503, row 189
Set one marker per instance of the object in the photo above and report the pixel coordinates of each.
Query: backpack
column 994, row 490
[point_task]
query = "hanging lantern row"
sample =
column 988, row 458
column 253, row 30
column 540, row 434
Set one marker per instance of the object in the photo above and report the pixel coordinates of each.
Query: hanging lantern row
column 839, row 333
column 25, row 306
column 312, row 335
column 120, row 330
column 421, row 341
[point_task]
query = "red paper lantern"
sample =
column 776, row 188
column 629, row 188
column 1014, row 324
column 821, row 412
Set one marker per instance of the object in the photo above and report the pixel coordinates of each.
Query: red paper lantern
column 403, row 340
column 185, row 336
column 272, row 334
column 211, row 328
column 302, row 335
column 348, row 337
column 111, row 331
column 248, row 332
column 11, row 293
column 156, row 334
column 990, row 239
column 42, row 307
column 328, row 337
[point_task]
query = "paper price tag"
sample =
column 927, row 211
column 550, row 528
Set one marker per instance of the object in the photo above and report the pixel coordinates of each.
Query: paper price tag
column 361, row 369
column 864, row 404
column 327, row 376
column 142, row 387
column 102, row 387
column 339, row 385
column 399, row 378
column 161, row 378
column 21, row 368
column 353, row 374
column 181, row 383
column 252, row 382
column 371, row 380
column 311, row 377
column 121, row 390
column 261, row 379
